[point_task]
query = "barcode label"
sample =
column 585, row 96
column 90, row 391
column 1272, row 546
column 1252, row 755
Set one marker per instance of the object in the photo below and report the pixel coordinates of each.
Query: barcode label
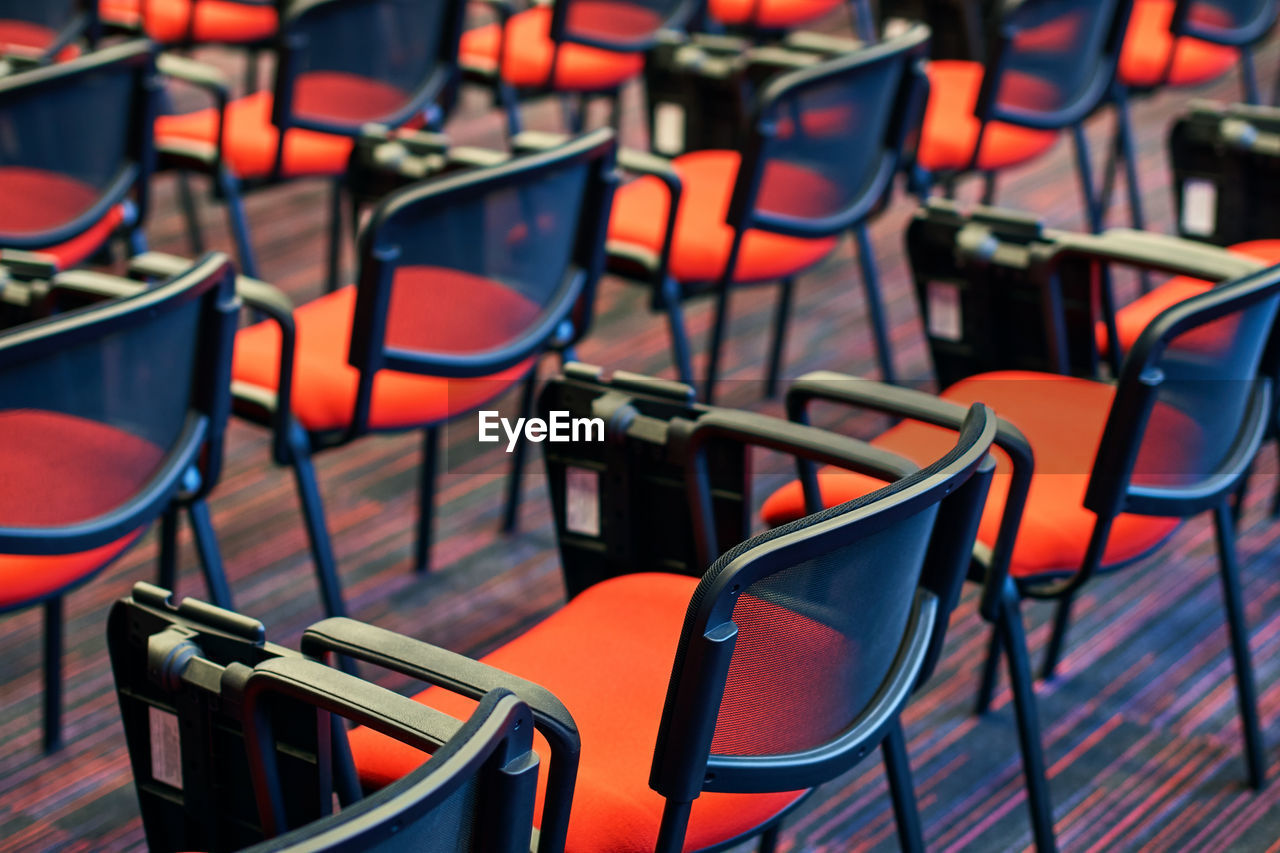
column 668, row 129
column 1199, row 207
column 582, row 501
column 945, row 321
column 166, row 748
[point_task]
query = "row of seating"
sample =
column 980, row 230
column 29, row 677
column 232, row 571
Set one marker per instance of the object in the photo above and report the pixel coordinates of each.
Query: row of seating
column 521, row 245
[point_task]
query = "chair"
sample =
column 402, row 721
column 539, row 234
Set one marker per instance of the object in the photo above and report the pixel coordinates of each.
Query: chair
column 464, row 282
column 779, row 669
column 710, row 221
column 1050, row 65
column 191, row 22
column 47, row 30
column 265, row 725
column 1116, row 469
column 1181, row 43
column 576, row 48
column 113, row 417
column 76, row 156
column 340, row 65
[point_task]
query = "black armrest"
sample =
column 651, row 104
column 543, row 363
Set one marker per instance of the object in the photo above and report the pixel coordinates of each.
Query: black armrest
column 1147, row 250
column 646, row 163
column 467, row 677
column 919, row 406
column 204, row 77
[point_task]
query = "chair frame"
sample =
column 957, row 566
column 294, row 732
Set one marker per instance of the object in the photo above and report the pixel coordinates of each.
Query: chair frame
column 669, row 294
column 84, row 21
column 1101, row 86
column 293, row 445
column 188, row 471
column 436, row 91
column 134, row 178
column 508, row 97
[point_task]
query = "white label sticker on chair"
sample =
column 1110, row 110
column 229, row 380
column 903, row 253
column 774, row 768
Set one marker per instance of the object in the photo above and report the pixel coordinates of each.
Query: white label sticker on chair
column 582, row 501
column 668, row 129
column 944, row 311
column 166, row 747
column 1199, row 206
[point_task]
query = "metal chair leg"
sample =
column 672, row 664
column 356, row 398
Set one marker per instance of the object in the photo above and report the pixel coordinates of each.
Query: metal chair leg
column 230, row 188
column 1237, row 626
column 1128, row 150
column 510, row 105
column 190, row 214
column 897, row 767
column 313, row 516
column 669, row 299
column 515, row 482
column 1249, row 78
column 1093, row 215
column 990, row 674
column 426, row 498
column 989, row 187
column 875, row 303
column 53, row 675
column 167, row 574
column 334, row 260
column 1024, row 704
column 781, row 315
column 719, row 330
column 215, row 577
column 769, row 839
column 1057, row 637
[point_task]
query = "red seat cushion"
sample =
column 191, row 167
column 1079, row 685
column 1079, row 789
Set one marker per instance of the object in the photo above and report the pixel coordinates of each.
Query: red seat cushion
column 1144, row 57
column 608, row 656
column 431, row 309
column 35, row 200
column 216, row 20
column 1063, row 418
column 58, row 469
column 1134, row 317
column 950, row 130
column 702, row 240
column 771, row 14
column 250, row 139
column 528, row 49
column 24, row 37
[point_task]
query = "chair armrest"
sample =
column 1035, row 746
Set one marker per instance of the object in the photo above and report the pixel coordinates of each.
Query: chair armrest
column 471, row 678
column 207, row 78
column 1161, row 252
column 652, row 165
column 259, row 296
column 919, row 406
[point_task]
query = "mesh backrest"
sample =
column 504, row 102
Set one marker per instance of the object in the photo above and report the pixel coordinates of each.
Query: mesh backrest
column 1055, row 53
column 69, row 136
column 829, row 141
column 624, row 23
column 87, row 425
column 815, row 642
column 53, row 14
column 1229, row 21
column 478, row 272
column 1208, row 377
column 352, row 62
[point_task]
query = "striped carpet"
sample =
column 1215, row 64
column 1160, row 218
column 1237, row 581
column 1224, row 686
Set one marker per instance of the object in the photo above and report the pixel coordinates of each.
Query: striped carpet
column 1140, row 728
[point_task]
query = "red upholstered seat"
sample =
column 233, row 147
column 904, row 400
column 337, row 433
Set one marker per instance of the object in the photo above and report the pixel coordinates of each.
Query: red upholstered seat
column 608, row 656
column 702, row 239
column 1063, row 418
column 58, row 469
column 250, row 139
column 215, row 20
column 1144, row 58
column 528, row 49
column 1134, row 317
column 771, row 14
column 950, row 130
column 35, row 200
column 431, row 309
column 24, row 37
